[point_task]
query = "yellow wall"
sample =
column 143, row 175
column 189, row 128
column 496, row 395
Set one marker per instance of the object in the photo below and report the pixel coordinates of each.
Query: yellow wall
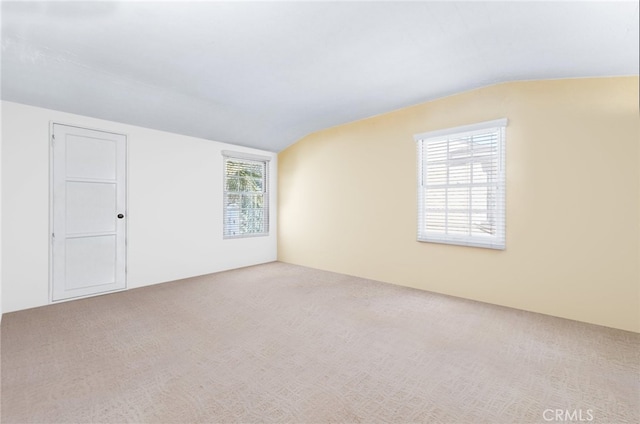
column 347, row 200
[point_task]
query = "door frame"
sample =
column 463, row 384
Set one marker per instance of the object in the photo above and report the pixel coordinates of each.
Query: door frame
column 50, row 229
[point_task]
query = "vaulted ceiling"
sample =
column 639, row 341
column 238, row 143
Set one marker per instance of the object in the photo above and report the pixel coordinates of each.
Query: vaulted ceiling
column 264, row 74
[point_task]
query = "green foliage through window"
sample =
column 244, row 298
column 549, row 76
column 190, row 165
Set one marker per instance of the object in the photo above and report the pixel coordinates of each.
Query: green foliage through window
column 246, row 203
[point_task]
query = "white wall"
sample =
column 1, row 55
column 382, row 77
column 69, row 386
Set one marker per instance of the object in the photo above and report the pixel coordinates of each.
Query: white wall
column 0, row 209
column 174, row 210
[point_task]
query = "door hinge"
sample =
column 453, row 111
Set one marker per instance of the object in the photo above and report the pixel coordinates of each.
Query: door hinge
column 53, row 139
column 53, row 237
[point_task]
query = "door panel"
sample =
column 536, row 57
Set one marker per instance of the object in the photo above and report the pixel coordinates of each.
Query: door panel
column 90, row 261
column 89, row 157
column 88, row 194
column 91, row 207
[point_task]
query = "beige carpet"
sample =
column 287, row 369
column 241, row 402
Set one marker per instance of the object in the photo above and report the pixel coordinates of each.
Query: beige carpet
column 282, row 343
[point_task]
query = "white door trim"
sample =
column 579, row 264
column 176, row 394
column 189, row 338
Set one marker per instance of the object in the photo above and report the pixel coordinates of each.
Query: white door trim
column 51, row 210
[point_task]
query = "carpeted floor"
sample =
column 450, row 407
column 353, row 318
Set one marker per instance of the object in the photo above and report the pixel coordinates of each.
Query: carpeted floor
column 283, row 343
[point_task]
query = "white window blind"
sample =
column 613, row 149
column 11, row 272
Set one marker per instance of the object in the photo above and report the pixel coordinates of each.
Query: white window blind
column 246, row 202
column 461, row 185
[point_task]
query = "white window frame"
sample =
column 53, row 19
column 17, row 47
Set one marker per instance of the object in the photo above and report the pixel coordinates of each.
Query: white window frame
column 495, row 241
column 251, row 159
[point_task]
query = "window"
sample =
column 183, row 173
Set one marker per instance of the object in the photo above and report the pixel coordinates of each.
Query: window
column 461, row 185
column 246, row 195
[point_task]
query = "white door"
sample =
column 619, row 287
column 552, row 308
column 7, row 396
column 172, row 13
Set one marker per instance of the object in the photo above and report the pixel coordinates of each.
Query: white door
column 88, row 212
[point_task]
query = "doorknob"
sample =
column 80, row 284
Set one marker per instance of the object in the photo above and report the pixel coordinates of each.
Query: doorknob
column 120, row 216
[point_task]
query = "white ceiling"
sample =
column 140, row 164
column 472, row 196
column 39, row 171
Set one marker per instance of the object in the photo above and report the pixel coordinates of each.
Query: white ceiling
column 264, row 74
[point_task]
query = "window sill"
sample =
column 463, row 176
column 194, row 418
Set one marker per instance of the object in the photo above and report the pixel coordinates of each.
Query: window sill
column 493, row 244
